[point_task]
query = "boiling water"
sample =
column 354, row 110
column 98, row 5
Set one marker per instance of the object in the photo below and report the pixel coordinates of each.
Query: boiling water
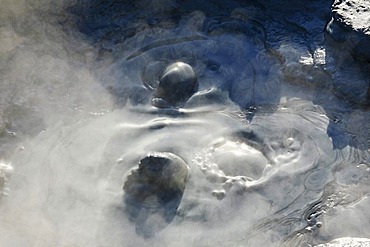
column 271, row 162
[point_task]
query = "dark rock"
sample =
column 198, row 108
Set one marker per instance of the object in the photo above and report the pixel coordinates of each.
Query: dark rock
column 348, row 39
column 350, row 25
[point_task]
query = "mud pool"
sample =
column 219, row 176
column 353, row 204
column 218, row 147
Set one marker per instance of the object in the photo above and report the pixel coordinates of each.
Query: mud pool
column 275, row 139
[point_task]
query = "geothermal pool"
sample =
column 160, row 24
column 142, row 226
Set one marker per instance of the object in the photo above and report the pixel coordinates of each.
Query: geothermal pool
column 275, row 140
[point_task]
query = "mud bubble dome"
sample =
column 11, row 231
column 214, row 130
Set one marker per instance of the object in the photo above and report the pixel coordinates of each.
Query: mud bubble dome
column 153, row 191
column 177, row 83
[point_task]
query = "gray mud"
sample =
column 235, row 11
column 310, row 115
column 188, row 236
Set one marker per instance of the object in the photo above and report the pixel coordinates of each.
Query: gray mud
column 271, row 150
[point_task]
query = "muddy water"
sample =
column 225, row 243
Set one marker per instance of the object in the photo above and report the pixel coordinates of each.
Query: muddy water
column 275, row 158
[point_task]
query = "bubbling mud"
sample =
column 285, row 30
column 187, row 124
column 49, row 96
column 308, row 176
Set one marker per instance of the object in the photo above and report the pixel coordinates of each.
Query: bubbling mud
column 258, row 152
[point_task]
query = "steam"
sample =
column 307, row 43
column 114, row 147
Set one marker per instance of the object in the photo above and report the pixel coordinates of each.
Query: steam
column 71, row 143
column 45, row 72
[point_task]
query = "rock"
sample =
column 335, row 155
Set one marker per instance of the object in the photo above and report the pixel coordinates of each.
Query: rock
column 347, row 38
column 347, row 242
column 350, row 24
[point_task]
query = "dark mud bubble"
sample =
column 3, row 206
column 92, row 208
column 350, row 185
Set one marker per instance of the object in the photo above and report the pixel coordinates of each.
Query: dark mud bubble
column 153, row 191
column 176, row 85
column 225, row 46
